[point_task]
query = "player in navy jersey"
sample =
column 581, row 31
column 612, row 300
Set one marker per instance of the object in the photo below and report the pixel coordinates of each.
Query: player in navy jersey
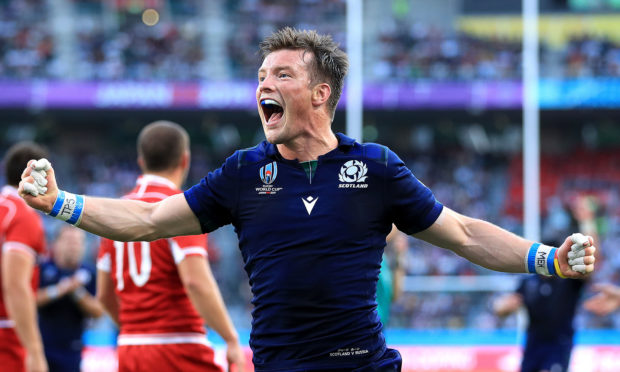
column 312, row 209
column 550, row 332
column 66, row 299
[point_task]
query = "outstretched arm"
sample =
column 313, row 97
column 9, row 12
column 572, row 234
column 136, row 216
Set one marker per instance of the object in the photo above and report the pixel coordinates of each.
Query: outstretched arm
column 507, row 304
column 606, row 301
column 117, row 219
column 205, row 295
column 492, row 247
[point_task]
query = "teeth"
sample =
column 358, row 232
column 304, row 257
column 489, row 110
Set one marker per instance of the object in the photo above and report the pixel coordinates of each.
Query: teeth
column 270, row 102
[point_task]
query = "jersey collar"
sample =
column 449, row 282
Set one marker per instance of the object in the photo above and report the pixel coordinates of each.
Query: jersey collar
column 344, row 144
column 9, row 190
column 153, row 180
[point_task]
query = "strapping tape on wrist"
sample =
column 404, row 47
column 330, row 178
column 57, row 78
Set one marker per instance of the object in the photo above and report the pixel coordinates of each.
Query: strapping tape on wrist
column 68, row 207
column 542, row 259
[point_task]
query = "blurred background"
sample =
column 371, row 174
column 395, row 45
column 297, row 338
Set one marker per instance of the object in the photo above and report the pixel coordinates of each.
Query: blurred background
column 442, row 87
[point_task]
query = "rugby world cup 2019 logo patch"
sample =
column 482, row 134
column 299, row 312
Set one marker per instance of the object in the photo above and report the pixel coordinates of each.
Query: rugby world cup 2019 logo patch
column 352, row 175
column 268, row 174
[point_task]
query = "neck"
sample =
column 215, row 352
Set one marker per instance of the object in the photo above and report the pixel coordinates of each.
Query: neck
column 175, row 176
column 308, row 147
column 315, row 140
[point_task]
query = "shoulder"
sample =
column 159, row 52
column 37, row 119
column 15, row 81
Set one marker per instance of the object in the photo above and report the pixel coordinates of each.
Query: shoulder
column 375, row 152
column 20, row 209
column 23, row 221
column 250, row 155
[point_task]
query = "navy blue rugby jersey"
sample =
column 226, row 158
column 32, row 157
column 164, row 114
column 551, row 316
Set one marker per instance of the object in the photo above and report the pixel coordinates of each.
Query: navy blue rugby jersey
column 312, row 247
column 551, row 305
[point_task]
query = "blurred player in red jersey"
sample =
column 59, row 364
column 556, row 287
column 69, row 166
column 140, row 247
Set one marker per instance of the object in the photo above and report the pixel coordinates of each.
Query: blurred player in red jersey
column 160, row 292
column 22, row 239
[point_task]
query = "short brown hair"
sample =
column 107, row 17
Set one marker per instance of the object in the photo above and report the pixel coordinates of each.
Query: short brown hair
column 161, row 145
column 17, row 157
column 330, row 63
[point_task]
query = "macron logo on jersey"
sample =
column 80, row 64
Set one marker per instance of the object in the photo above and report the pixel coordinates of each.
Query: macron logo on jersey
column 309, row 203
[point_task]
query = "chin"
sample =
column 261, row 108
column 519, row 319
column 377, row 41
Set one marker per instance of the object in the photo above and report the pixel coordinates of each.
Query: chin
column 273, row 137
column 274, row 140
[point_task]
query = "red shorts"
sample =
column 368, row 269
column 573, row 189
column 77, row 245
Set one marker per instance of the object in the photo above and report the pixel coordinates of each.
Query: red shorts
column 167, row 358
column 12, row 354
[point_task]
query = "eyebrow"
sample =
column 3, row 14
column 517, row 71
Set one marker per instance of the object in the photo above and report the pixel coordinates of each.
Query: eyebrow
column 277, row 68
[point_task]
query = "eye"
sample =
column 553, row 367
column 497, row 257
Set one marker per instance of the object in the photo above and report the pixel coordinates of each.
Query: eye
column 283, row 75
column 261, row 78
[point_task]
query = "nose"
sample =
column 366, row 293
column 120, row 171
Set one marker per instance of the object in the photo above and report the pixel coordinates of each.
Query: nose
column 266, row 84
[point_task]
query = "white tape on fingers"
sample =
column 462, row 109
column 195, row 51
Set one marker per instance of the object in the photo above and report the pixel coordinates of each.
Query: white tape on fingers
column 576, row 261
column 573, row 255
column 40, row 189
column 38, row 177
column 579, row 268
column 42, row 164
column 30, row 189
column 580, row 239
column 577, row 247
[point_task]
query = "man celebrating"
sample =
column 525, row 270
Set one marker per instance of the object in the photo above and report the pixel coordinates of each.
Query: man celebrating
column 66, row 300
column 164, row 287
column 23, row 240
column 312, row 210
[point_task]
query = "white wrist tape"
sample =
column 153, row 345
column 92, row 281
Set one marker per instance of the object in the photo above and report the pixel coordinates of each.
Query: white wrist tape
column 68, row 207
column 540, row 260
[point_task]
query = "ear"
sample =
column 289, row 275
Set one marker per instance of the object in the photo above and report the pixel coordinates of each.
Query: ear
column 140, row 162
column 185, row 158
column 320, row 94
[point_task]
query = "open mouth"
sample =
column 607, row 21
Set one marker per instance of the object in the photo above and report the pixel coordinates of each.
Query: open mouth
column 272, row 109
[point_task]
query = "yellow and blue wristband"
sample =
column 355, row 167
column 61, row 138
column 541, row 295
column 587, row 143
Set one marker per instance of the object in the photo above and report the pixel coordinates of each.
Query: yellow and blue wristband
column 68, row 207
column 542, row 259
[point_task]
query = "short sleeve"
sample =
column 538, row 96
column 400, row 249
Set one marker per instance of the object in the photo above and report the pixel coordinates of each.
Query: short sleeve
column 190, row 245
column 25, row 233
column 104, row 256
column 214, row 199
column 412, row 205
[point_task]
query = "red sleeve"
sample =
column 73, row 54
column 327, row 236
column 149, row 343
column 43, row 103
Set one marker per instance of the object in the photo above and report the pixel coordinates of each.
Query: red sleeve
column 189, row 245
column 25, row 232
column 104, row 256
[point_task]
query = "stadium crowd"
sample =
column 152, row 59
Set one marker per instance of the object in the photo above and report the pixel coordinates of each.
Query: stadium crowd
column 114, row 44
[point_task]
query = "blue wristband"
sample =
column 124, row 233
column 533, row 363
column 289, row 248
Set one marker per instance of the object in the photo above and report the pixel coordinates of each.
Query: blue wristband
column 540, row 259
column 531, row 257
column 68, row 207
column 79, row 206
column 60, row 199
column 550, row 263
